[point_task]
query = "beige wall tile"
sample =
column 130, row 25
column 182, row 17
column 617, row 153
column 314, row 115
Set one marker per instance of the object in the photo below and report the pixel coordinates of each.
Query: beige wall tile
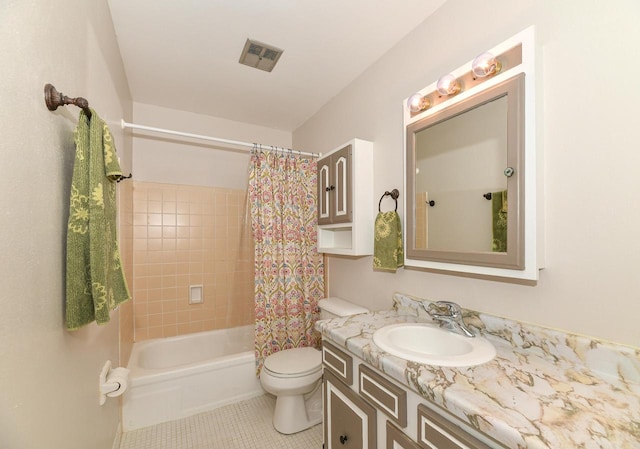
column 185, row 235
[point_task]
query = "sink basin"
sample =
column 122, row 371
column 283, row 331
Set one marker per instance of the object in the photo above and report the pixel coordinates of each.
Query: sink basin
column 425, row 343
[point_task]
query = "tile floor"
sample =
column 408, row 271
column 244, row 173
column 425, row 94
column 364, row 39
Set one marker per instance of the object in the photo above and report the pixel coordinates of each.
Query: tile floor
column 244, row 425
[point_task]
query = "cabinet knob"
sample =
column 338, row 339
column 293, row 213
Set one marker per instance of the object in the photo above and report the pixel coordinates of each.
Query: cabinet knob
column 343, row 439
column 328, row 189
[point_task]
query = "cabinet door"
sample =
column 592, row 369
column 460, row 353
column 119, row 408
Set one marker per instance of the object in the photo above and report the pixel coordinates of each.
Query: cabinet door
column 342, row 207
column 349, row 422
column 335, row 203
column 325, row 191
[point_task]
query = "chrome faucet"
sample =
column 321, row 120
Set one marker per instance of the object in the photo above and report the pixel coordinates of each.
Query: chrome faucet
column 449, row 314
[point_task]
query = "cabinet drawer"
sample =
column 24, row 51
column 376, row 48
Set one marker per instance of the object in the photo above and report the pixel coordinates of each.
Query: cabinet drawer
column 436, row 431
column 398, row 440
column 383, row 394
column 339, row 362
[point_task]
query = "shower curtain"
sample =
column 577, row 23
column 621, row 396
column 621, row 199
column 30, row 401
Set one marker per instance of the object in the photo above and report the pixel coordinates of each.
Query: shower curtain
column 289, row 272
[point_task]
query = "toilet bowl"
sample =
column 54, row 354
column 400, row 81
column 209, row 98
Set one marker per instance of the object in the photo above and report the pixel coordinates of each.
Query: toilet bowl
column 294, row 377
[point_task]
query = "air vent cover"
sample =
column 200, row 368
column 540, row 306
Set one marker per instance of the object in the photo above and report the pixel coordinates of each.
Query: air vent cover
column 260, row 56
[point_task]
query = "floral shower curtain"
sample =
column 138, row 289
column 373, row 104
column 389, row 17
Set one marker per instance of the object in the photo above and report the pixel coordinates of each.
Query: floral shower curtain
column 289, row 272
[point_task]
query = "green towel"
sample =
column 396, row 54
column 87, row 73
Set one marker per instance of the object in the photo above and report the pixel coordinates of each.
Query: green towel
column 387, row 246
column 499, row 221
column 95, row 279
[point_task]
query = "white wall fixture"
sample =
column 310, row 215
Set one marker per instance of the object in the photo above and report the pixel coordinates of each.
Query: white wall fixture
column 196, row 294
column 112, row 382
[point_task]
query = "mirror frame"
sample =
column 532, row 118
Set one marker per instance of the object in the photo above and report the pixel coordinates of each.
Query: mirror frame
column 513, row 90
column 530, row 175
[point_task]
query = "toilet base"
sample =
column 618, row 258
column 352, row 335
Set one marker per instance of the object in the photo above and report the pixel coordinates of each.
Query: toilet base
column 294, row 414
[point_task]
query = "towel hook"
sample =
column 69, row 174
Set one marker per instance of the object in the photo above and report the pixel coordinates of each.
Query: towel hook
column 53, row 99
column 393, row 194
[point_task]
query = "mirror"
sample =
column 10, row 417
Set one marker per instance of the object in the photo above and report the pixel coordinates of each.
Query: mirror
column 465, row 148
column 464, row 167
column 455, row 172
column 466, row 209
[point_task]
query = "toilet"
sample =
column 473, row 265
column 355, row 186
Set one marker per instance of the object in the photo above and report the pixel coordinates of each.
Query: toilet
column 294, row 376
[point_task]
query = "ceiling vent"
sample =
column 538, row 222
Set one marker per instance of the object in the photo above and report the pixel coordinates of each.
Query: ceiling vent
column 259, row 55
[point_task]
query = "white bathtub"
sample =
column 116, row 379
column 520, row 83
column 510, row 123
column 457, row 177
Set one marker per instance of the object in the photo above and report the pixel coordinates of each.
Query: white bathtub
column 175, row 377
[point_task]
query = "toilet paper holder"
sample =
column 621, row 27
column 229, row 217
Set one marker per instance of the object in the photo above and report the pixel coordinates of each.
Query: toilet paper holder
column 112, row 382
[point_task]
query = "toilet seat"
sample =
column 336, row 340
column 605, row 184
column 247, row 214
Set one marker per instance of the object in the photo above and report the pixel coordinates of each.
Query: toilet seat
column 296, row 362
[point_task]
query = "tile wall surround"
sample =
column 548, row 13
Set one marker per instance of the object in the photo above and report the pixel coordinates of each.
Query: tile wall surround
column 189, row 235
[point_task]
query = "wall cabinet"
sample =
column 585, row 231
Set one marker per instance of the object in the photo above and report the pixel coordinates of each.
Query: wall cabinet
column 345, row 200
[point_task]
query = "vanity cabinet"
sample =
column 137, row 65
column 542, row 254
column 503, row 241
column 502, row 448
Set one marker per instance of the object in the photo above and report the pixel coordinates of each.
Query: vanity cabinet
column 365, row 409
column 345, row 200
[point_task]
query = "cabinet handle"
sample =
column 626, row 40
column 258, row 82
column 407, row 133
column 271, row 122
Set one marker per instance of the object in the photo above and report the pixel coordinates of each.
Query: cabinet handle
column 343, row 439
column 328, row 189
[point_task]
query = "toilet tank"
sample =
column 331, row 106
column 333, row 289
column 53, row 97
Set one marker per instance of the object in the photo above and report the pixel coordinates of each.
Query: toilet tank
column 337, row 307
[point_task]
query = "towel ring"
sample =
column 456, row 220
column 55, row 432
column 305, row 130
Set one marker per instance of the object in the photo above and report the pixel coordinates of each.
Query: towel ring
column 122, row 178
column 393, row 194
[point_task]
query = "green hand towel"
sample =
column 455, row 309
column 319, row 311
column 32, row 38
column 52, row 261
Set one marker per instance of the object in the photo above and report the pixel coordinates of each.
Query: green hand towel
column 499, row 221
column 95, row 278
column 388, row 254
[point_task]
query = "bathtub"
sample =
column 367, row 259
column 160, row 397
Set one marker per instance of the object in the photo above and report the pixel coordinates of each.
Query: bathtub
column 172, row 378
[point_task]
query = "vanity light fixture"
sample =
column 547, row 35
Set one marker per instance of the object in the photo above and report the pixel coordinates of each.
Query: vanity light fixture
column 448, row 85
column 418, row 103
column 486, row 64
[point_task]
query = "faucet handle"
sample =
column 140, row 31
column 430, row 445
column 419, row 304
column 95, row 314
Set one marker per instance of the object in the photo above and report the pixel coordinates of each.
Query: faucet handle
column 453, row 310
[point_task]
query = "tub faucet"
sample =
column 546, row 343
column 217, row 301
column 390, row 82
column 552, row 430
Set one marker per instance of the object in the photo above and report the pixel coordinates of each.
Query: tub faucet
column 449, row 315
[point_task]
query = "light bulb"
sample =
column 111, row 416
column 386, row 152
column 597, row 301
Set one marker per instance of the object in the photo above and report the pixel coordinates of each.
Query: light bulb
column 448, row 85
column 417, row 102
column 484, row 65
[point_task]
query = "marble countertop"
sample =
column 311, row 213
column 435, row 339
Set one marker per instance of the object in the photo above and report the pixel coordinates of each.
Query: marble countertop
column 544, row 389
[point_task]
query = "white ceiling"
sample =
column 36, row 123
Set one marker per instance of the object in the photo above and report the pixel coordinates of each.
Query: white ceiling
column 184, row 54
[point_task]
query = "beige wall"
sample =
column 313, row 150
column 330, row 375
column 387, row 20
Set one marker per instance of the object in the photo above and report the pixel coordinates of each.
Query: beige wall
column 49, row 376
column 191, row 235
column 588, row 132
column 179, row 160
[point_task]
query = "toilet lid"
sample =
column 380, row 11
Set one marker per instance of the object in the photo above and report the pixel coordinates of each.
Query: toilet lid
column 298, row 361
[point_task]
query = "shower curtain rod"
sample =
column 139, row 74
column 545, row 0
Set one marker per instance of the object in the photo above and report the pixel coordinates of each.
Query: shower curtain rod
column 214, row 139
